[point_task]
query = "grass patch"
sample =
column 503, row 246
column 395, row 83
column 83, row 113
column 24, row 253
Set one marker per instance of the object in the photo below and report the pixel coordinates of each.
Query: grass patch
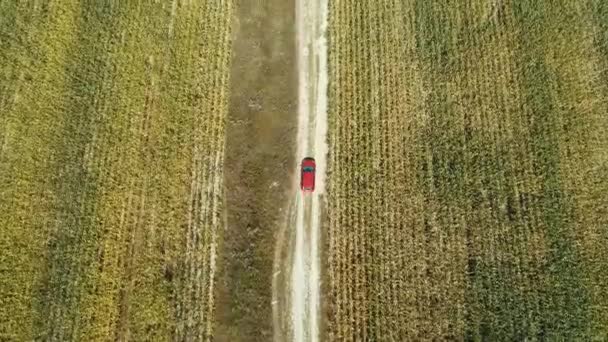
column 259, row 155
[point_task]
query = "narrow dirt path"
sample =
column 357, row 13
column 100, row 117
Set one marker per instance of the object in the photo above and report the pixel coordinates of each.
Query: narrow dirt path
column 296, row 313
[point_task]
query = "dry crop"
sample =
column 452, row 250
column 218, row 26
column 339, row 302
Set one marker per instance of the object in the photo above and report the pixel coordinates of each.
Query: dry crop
column 111, row 154
column 468, row 184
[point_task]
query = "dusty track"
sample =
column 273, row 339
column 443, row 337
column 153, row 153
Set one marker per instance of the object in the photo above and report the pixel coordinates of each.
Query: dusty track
column 296, row 295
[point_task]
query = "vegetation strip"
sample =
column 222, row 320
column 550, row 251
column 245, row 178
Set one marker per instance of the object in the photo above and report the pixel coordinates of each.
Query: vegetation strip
column 116, row 116
column 488, row 133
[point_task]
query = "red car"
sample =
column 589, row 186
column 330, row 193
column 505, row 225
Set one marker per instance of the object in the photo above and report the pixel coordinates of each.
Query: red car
column 307, row 180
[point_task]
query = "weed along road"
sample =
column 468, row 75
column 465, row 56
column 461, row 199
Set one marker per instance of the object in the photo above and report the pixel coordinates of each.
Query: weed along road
column 296, row 301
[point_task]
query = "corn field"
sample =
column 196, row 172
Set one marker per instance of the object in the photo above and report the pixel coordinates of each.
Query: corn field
column 111, row 179
column 468, row 171
column 467, row 185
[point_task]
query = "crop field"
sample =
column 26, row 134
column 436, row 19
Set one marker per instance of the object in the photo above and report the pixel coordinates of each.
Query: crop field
column 111, row 179
column 468, row 171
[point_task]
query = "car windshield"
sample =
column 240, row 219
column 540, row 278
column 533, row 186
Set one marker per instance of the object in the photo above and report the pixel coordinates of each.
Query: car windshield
column 308, row 169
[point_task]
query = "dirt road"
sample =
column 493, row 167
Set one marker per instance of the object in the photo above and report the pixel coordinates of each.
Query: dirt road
column 297, row 293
